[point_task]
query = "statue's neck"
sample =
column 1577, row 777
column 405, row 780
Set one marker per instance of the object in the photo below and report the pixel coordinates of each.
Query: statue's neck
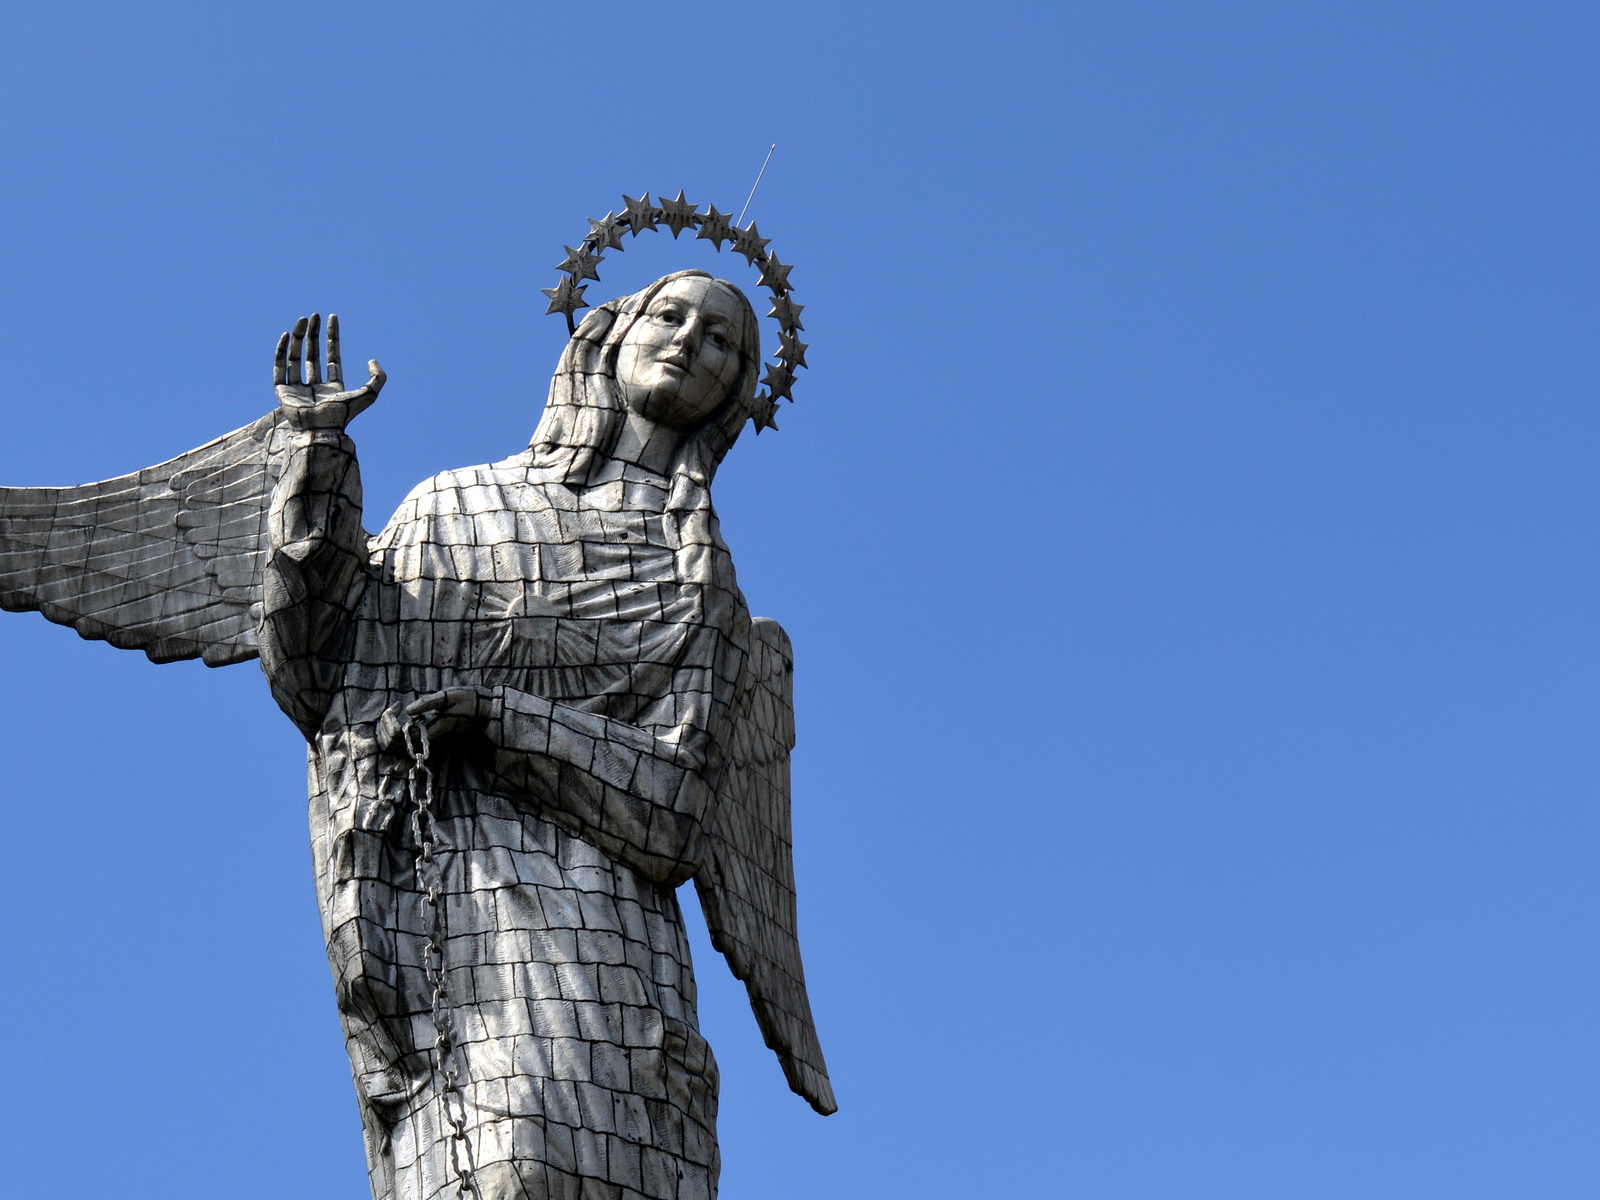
column 646, row 444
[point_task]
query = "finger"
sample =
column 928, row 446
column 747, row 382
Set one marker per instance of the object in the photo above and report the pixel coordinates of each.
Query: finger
column 388, row 730
column 335, row 369
column 464, row 701
column 427, row 704
column 314, row 349
column 361, row 399
column 296, row 341
column 280, row 362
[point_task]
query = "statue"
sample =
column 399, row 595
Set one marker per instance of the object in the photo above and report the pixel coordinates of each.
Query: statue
column 535, row 704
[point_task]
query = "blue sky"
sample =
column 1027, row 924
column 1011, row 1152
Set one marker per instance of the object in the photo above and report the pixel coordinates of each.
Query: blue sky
column 1185, row 529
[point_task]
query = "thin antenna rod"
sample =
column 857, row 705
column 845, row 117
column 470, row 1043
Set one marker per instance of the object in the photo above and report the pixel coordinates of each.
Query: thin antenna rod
column 740, row 218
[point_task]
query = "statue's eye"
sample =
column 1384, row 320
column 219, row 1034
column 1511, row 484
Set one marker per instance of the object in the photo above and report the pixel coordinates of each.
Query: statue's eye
column 718, row 339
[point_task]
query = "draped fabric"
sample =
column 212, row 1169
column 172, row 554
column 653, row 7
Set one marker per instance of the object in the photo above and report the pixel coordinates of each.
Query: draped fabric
column 569, row 971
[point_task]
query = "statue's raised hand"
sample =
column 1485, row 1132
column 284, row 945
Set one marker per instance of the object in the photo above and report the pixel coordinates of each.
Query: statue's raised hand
column 305, row 399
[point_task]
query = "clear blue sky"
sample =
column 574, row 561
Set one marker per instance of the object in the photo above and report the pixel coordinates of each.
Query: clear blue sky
column 1186, row 530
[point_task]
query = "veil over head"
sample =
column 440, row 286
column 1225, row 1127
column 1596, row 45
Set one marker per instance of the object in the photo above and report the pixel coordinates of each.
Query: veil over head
column 583, row 415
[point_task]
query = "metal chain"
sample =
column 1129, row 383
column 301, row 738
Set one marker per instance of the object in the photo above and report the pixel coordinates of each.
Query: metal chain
column 424, row 830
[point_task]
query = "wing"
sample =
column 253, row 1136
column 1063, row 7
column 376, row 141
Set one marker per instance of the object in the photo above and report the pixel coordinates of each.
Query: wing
column 167, row 560
column 747, row 883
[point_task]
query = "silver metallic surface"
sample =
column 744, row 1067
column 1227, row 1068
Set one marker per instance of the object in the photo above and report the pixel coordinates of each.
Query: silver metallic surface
column 534, row 705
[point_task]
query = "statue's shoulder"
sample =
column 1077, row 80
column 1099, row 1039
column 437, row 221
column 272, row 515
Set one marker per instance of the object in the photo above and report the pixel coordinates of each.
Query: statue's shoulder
column 467, row 489
column 441, row 501
column 437, row 494
column 448, row 493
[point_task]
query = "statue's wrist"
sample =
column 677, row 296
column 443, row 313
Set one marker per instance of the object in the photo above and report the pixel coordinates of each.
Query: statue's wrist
column 491, row 712
column 306, row 438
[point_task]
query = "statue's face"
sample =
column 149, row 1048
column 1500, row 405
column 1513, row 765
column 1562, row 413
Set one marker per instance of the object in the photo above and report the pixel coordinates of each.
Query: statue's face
column 681, row 356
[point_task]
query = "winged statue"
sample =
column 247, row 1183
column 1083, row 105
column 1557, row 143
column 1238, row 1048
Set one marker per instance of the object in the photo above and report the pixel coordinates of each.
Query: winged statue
column 535, row 704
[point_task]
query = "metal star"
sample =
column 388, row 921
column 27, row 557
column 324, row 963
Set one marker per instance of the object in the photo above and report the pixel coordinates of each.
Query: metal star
column 787, row 312
column 565, row 297
column 792, row 351
column 679, row 214
column 778, row 381
column 765, row 413
column 774, row 274
column 580, row 264
column 604, row 235
column 749, row 242
column 714, row 227
column 641, row 214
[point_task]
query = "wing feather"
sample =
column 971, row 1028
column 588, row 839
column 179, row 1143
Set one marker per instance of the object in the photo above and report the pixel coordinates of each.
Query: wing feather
column 167, row 560
column 747, row 883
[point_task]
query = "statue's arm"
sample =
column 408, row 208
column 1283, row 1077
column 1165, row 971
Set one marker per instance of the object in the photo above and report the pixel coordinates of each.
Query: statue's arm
column 614, row 784
column 316, row 560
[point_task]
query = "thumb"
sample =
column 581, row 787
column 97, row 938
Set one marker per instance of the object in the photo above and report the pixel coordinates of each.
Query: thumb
column 361, row 399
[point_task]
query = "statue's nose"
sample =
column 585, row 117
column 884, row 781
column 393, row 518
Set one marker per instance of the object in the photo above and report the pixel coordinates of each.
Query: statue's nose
column 688, row 337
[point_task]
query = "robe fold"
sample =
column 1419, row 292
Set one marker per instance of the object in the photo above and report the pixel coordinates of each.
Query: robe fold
column 566, row 962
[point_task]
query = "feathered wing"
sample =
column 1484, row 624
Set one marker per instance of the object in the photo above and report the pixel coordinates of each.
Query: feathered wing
column 747, row 883
column 167, row 560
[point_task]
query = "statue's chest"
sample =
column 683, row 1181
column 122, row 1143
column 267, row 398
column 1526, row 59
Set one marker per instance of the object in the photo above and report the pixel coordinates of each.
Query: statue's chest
column 590, row 588
column 524, row 577
column 598, row 546
column 524, row 533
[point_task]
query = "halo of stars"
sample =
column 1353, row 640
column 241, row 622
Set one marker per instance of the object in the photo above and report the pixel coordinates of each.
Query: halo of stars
column 677, row 215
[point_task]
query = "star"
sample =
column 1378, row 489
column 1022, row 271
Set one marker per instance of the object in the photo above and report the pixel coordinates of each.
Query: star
column 749, row 242
column 580, row 264
column 604, row 235
column 679, row 214
column 787, row 312
column 767, row 410
column 792, row 351
column 774, row 274
column 641, row 214
column 714, row 227
column 778, row 381
column 564, row 297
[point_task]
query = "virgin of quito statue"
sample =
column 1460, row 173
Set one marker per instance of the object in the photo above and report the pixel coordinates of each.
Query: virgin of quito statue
column 535, row 704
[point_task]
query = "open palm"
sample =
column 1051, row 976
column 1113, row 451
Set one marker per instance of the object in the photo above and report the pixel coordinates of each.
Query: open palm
column 307, row 401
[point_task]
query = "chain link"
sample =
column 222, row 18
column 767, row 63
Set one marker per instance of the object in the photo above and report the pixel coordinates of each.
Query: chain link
column 424, row 830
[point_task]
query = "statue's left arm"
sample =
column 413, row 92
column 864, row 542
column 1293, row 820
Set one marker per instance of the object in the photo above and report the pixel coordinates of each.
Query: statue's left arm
column 613, row 784
column 315, row 568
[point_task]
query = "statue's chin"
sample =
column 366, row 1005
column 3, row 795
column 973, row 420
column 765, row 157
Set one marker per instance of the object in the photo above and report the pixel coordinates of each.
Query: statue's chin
column 665, row 404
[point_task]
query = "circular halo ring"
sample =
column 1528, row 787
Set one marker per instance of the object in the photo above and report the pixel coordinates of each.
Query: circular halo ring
column 677, row 215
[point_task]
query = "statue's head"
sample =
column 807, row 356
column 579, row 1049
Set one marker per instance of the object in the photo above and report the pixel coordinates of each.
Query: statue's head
column 684, row 352
column 681, row 356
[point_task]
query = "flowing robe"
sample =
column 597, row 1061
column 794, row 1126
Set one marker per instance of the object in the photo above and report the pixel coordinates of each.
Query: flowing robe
column 607, row 623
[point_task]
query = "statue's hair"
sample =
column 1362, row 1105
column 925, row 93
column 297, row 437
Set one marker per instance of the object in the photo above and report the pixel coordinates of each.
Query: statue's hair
column 583, row 417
